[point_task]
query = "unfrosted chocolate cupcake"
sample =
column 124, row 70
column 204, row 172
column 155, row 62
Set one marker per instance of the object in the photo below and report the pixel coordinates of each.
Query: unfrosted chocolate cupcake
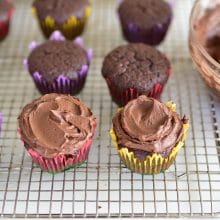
column 145, row 21
column 57, row 131
column 58, row 65
column 135, row 69
column 6, row 10
column 148, row 134
column 67, row 16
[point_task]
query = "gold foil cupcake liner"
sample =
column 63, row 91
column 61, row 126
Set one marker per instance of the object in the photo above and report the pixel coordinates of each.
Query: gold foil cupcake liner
column 154, row 163
column 72, row 28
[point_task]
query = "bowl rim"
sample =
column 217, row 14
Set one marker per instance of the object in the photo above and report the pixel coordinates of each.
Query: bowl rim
column 200, row 46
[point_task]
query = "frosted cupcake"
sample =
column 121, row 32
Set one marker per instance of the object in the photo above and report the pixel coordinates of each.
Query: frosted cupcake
column 67, row 16
column 57, row 131
column 59, row 65
column 148, row 135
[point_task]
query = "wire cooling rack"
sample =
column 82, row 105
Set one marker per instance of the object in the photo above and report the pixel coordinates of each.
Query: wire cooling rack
column 104, row 187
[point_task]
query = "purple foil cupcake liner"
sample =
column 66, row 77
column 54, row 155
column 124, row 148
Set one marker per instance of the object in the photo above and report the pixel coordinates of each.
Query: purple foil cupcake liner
column 153, row 36
column 62, row 84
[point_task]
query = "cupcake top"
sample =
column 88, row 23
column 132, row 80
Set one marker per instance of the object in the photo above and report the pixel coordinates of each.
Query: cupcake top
column 149, row 125
column 144, row 13
column 56, row 124
column 136, row 65
column 60, row 10
column 56, row 57
column 5, row 9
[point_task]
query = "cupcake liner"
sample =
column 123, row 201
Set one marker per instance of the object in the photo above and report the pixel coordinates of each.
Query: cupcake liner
column 154, row 163
column 60, row 162
column 153, row 36
column 4, row 28
column 62, row 84
column 72, row 28
column 123, row 97
column 5, row 24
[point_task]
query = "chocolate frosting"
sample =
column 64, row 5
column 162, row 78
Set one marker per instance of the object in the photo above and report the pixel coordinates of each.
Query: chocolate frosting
column 56, row 124
column 144, row 13
column 54, row 58
column 208, row 32
column 136, row 65
column 148, row 125
column 60, row 10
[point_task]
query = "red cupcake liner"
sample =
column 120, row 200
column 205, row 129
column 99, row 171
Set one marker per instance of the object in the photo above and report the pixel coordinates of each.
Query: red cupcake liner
column 5, row 24
column 123, row 97
column 4, row 28
column 60, row 162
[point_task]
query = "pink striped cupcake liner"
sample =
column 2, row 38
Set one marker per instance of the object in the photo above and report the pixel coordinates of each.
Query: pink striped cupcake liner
column 60, row 162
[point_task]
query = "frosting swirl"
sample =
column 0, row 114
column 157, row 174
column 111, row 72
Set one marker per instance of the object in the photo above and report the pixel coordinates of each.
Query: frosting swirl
column 56, row 124
column 149, row 125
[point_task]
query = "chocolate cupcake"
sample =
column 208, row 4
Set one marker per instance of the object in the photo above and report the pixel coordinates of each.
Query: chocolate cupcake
column 59, row 65
column 148, row 135
column 6, row 10
column 135, row 69
column 67, row 16
column 57, row 131
column 145, row 21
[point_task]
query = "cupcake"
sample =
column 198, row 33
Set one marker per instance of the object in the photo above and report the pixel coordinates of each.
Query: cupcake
column 57, row 131
column 58, row 65
column 145, row 21
column 148, row 135
column 135, row 69
column 6, row 10
column 67, row 16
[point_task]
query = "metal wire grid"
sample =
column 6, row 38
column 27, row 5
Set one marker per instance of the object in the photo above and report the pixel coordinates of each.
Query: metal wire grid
column 104, row 187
